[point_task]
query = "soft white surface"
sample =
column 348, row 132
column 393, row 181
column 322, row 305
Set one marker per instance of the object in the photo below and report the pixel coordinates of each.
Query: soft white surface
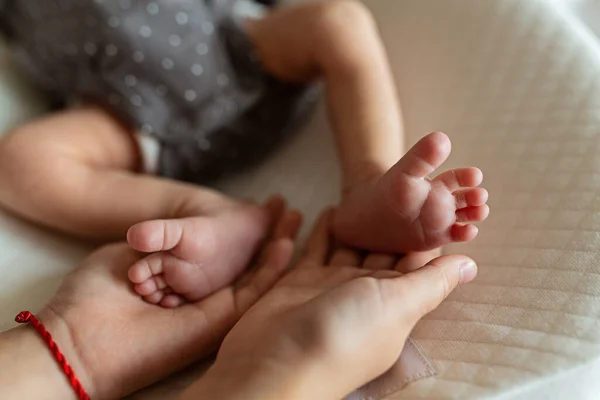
column 586, row 13
column 517, row 85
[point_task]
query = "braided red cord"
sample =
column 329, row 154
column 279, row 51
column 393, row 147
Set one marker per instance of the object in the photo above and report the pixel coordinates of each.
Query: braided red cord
column 27, row 317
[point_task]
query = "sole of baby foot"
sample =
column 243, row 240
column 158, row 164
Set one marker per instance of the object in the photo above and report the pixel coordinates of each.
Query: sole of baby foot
column 196, row 256
column 405, row 211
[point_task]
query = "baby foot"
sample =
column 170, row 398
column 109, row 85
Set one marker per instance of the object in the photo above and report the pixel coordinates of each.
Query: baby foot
column 193, row 257
column 404, row 211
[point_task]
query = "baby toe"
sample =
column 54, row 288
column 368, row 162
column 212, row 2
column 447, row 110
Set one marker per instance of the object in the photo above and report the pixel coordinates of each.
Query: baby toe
column 470, row 197
column 159, row 280
column 463, row 233
column 146, row 288
column 172, row 301
column 145, row 236
column 154, row 298
column 472, row 177
column 145, row 268
column 424, row 157
column 473, row 214
column 139, row 272
column 460, row 177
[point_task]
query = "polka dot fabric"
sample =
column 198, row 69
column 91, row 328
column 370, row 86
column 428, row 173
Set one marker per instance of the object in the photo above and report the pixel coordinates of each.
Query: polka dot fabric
column 182, row 71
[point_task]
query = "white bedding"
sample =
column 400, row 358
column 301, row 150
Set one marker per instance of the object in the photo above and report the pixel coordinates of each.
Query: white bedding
column 517, row 86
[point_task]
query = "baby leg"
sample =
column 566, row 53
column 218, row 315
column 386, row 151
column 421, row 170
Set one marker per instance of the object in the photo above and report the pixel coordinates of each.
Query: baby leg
column 338, row 42
column 76, row 171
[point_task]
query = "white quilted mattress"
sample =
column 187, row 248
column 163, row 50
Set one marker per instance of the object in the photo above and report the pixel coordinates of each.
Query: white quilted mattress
column 516, row 84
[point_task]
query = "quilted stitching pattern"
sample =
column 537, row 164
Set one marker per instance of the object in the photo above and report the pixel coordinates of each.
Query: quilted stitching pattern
column 518, row 90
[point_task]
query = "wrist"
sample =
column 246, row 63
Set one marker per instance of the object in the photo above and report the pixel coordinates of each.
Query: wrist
column 29, row 370
column 62, row 334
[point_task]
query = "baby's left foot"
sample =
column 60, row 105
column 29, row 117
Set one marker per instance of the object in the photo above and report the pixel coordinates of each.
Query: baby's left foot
column 190, row 258
column 404, row 211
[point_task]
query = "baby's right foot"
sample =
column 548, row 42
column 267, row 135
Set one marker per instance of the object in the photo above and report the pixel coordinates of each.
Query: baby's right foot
column 193, row 257
column 405, row 211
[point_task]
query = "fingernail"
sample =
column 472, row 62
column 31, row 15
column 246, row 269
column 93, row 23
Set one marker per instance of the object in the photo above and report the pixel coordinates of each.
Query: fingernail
column 468, row 271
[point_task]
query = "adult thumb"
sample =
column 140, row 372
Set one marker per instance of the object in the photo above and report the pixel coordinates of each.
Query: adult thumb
column 419, row 292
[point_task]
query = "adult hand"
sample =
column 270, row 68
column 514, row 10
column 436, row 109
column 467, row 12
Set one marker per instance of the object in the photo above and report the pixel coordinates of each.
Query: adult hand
column 116, row 342
column 333, row 323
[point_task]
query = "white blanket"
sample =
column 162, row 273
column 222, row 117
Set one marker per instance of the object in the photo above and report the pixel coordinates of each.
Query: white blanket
column 516, row 84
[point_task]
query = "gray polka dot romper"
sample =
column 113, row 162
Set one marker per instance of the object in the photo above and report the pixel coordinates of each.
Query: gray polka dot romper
column 182, row 71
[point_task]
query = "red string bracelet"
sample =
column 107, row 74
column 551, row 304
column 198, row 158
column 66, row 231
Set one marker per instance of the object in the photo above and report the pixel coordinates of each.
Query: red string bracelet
column 27, row 317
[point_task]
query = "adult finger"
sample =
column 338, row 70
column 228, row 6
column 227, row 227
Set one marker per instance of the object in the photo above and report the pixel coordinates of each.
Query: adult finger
column 288, row 225
column 417, row 293
column 275, row 207
column 413, row 261
column 345, row 257
column 277, row 257
column 287, row 228
column 120, row 256
column 318, row 243
column 378, row 262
